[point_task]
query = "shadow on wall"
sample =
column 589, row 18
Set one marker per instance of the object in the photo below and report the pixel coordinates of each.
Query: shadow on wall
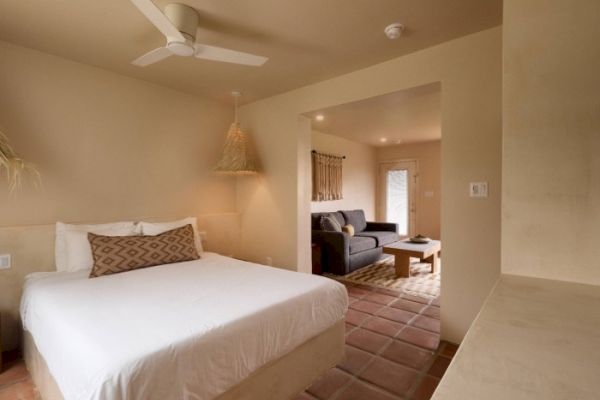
column 254, row 193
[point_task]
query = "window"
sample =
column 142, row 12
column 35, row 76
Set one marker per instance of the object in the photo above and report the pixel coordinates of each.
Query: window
column 397, row 199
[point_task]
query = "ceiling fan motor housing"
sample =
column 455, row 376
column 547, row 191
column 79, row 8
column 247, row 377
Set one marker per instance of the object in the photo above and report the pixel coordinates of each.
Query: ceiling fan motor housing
column 185, row 19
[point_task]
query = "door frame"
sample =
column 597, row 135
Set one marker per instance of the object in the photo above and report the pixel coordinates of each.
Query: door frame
column 413, row 191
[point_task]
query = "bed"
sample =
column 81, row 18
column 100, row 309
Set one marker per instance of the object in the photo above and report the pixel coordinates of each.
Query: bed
column 213, row 328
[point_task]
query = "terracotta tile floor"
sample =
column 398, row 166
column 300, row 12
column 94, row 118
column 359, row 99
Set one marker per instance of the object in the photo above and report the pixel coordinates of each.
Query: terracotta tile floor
column 15, row 382
column 393, row 351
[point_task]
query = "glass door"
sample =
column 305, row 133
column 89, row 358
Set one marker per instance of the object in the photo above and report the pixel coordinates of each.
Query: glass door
column 397, row 195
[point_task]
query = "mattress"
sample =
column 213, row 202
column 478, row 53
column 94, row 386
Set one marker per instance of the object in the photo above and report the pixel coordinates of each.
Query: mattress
column 180, row 331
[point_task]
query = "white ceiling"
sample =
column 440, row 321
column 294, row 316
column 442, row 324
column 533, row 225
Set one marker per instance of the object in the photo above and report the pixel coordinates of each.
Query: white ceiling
column 407, row 116
column 307, row 40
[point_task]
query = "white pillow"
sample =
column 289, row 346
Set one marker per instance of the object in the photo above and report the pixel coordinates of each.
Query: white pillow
column 156, row 228
column 72, row 251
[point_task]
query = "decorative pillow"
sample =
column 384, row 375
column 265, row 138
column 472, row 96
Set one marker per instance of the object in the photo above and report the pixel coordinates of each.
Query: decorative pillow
column 154, row 228
column 114, row 254
column 72, row 250
column 349, row 229
column 328, row 223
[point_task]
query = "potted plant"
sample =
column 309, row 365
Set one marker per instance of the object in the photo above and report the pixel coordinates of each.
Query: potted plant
column 14, row 166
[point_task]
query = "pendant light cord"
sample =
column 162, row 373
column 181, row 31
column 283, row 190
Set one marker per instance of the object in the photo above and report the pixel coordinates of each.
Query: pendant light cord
column 235, row 114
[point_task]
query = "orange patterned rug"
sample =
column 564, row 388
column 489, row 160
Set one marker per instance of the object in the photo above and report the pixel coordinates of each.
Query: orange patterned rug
column 381, row 274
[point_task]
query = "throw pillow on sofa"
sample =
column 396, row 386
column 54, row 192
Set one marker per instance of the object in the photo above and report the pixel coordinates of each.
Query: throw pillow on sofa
column 330, row 224
column 349, row 229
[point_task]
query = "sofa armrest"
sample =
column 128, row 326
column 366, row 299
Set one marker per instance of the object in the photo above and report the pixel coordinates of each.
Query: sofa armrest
column 382, row 226
column 334, row 239
column 336, row 250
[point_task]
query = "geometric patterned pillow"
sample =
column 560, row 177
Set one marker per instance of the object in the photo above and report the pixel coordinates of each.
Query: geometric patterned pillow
column 114, row 254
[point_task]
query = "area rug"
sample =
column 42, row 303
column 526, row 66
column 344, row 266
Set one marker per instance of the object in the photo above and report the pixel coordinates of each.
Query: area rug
column 382, row 274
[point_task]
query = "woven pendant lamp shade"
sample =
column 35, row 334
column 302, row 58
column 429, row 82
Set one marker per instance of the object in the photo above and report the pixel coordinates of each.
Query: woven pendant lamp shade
column 236, row 158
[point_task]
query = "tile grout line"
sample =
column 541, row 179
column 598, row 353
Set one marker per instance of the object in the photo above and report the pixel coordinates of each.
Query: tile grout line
column 425, row 372
column 11, row 383
column 356, row 376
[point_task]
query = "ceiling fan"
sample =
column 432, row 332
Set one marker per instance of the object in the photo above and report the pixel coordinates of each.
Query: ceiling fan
column 179, row 24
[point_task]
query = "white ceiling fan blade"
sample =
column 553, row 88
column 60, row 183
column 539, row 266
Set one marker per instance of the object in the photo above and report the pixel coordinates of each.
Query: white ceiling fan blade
column 225, row 55
column 152, row 56
column 160, row 20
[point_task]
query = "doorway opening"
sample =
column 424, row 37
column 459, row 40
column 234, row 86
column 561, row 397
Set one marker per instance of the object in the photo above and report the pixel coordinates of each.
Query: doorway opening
column 390, row 151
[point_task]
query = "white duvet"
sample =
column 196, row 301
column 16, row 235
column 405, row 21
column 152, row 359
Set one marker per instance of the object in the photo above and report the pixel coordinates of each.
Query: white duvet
column 189, row 330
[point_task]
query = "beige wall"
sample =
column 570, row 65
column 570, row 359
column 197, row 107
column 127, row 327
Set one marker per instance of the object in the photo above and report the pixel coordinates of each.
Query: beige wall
column 108, row 148
column 98, row 138
column 358, row 174
column 551, row 131
column 429, row 160
column 469, row 70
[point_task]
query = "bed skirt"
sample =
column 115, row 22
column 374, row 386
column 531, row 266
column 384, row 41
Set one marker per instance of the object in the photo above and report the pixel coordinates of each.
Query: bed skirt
column 281, row 379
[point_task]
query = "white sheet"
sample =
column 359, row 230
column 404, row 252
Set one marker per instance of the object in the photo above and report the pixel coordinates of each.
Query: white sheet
column 181, row 331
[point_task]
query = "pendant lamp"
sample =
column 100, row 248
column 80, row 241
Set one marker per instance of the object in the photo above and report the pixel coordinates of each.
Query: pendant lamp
column 236, row 158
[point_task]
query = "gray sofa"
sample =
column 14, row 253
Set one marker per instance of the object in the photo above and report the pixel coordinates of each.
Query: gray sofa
column 342, row 253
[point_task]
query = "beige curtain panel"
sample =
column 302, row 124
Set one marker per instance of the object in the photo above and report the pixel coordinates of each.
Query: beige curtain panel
column 326, row 177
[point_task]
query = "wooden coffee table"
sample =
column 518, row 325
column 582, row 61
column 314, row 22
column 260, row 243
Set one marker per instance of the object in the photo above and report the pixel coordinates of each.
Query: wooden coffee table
column 404, row 250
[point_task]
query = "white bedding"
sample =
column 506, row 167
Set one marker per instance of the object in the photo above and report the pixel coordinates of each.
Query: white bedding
column 189, row 330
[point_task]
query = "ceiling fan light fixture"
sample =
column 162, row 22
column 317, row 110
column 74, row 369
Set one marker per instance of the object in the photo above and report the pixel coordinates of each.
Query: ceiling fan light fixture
column 185, row 49
column 394, row 31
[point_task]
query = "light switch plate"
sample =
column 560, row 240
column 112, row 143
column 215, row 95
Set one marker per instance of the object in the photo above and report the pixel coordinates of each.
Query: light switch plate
column 478, row 189
column 4, row 261
column 429, row 194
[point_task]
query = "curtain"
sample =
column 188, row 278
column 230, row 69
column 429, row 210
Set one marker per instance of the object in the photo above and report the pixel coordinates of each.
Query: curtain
column 326, row 177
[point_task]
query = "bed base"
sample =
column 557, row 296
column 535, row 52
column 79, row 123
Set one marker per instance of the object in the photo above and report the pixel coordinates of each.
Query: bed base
column 281, row 379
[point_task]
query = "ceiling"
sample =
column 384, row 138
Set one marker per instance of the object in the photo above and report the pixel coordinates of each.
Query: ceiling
column 406, row 116
column 307, row 40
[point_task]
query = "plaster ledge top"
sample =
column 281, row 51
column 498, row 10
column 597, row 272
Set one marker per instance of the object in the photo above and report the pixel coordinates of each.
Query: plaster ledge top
column 533, row 339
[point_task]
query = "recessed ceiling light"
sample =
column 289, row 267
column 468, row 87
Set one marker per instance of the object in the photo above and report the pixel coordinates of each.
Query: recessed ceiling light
column 383, row 140
column 319, row 117
column 394, row 31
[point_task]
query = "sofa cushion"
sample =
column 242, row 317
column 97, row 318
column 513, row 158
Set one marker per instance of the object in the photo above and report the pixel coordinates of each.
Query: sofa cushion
column 330, row 224
column 364, row 258
column 361, row 243
column 382, row 237
column 356, row 218
column 316, row 219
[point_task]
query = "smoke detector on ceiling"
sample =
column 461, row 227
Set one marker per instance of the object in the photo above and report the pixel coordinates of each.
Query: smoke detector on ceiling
column 394, row 31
